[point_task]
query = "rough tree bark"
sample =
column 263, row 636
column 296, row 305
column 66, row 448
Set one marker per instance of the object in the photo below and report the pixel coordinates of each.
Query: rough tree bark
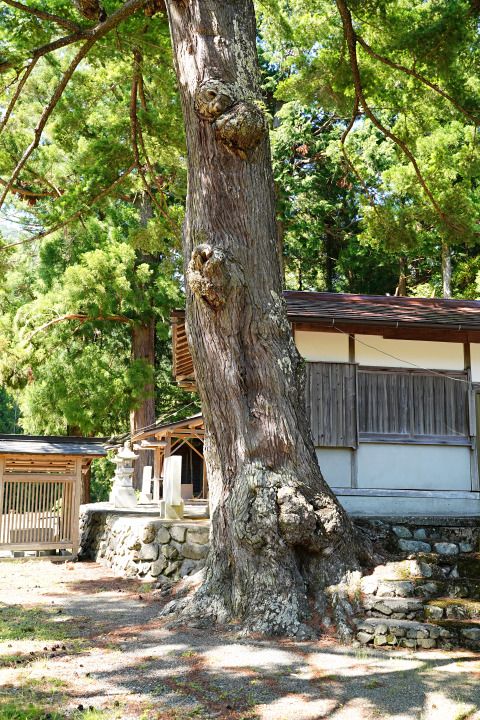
column 278, row 532
column 143, row 347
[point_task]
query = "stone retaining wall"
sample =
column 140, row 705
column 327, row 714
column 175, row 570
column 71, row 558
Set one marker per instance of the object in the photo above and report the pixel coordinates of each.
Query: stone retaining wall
column 442, row 535
column 141, row 545
column 138, row 544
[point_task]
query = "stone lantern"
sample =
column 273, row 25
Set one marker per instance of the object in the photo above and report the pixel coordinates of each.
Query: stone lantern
column 123, row 494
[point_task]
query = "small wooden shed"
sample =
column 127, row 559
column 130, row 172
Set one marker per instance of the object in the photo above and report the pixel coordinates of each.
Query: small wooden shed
column 42, row 480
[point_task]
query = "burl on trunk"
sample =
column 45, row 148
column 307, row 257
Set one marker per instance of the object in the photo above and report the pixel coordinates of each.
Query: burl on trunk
column 279, row 535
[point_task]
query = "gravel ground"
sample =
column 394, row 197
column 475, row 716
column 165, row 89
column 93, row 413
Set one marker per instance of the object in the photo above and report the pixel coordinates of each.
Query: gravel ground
column 73, row 636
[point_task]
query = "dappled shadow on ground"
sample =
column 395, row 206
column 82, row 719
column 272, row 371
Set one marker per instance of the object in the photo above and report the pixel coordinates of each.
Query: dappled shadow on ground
column 83, row 586
column 212, row 675
column 114, row 653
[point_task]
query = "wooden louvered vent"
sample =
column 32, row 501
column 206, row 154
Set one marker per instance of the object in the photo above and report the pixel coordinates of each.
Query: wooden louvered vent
column 414, row 406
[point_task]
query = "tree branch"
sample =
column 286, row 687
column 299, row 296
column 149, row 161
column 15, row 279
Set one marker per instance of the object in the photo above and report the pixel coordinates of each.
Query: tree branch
column 44, row 15
column 28, row 193
column 50, row 47
column 77, row 214
column 137, row 58
column 165, row 213
column 74, row 316
column 16, row 94
column 38, row 177
column 353, row 168
column 414, row 74
column 351, row 43
column 110, row 23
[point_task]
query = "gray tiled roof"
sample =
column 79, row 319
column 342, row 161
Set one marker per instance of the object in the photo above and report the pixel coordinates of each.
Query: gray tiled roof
column 38, row 445
column 383, row 310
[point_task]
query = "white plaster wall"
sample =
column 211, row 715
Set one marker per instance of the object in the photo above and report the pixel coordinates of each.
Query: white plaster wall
column 475, row 361
column 434, row 355
column 336, row 466
column 322, row 346
column 413, row 467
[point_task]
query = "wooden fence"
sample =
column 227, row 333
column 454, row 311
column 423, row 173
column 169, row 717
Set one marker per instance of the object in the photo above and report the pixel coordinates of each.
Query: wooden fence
column 39, row 503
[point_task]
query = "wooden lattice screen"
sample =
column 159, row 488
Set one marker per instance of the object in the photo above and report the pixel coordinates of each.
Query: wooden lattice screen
column 39, row 503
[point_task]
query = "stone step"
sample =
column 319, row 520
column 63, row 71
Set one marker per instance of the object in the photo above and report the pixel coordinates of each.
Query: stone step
column 395, row 608
column 436, row 545
column 422, row 587
column 467, row 566
column 425, row 565
column 418, row 635
column 452, row 609
column 410, row 608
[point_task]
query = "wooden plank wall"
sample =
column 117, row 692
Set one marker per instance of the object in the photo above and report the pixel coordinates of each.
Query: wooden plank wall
column 330, row 399
column 413, row 404
column 383, row 402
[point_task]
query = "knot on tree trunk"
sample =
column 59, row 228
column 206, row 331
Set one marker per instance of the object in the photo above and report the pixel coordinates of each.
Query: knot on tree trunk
column 297, row 519
column 241, row 128
column 91, row 9
column 239, row 125
column 212, row 274
column 212, row 98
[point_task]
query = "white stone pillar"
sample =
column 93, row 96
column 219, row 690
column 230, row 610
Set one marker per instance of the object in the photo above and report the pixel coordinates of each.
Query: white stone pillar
column 172, row 503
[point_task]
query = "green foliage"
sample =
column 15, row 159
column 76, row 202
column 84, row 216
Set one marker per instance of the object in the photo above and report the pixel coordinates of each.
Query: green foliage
column 13, row 710
column 69, row 303
column 8, row 413
column 316, row 203
column 70, row 344
column 101, row 479
column 391, row 214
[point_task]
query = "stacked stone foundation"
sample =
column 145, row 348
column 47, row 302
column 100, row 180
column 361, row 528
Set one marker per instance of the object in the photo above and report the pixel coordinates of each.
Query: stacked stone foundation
column 427, row 594
column 143, row 546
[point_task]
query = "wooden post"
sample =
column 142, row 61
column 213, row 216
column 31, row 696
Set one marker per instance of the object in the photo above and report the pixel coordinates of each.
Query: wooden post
column 76, row 504
column 86, row 480
column 2, row 465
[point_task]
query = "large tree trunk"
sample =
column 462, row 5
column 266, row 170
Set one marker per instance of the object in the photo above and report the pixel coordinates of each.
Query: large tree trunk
column 402, row 280
column 278, row 531
column 143, row 347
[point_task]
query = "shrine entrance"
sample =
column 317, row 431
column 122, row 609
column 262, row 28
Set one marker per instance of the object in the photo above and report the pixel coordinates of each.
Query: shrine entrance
column 184, row 437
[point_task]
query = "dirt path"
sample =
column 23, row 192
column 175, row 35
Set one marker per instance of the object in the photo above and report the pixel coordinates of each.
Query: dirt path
column 75, row 641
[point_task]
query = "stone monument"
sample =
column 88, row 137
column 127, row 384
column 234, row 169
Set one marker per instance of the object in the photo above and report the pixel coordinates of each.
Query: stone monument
column 123, row 494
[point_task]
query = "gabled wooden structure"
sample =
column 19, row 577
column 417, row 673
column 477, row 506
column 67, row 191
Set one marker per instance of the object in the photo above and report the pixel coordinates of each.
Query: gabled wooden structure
column 41, row 488
column 393, row 395
column 169, row 439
